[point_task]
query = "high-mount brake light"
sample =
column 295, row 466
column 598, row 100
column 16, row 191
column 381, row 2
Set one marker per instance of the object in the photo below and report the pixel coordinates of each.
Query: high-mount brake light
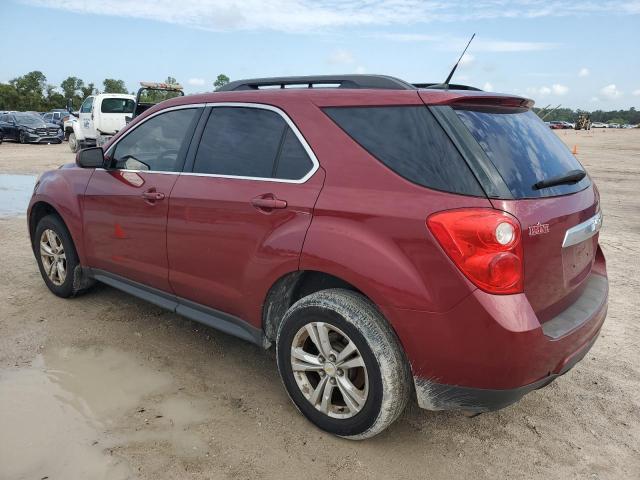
column 485, row 244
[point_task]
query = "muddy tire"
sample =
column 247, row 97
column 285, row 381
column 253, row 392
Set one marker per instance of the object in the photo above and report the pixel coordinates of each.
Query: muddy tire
column 73, row 143
column 342, row 364
column 57, row 258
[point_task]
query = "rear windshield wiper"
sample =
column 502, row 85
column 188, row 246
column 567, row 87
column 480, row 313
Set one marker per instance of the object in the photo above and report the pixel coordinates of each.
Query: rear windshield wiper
column 573, row 176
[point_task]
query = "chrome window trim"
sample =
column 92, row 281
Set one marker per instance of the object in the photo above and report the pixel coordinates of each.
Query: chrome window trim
column 583, row 231
column 262, row 106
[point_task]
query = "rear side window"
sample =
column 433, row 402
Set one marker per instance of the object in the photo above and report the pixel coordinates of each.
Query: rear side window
column 523, row 149
column 409, row 141
column 117, row 105
column 250, row 142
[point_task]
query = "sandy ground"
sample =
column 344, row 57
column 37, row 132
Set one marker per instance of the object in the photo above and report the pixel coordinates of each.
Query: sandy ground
column 108, row 386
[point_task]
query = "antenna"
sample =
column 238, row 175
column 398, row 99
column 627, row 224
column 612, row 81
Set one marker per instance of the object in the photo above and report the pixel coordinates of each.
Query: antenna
column 453, row 70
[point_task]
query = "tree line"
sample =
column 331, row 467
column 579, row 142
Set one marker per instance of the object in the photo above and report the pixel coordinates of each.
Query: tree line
column 630, row 116
column 32, row 92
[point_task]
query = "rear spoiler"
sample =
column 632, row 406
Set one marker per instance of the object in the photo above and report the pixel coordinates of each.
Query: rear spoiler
column 475, row 99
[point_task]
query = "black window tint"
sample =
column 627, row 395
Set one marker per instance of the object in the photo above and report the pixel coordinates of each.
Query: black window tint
column 524, row 150
column 158, row 143
column 117, row 105
column 240, row 141
column 293, row 162
column 410, row 142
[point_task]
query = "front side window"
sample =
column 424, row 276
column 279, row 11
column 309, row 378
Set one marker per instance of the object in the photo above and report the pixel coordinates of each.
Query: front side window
column 86, row 105
column 250, row 142
column 158, row 144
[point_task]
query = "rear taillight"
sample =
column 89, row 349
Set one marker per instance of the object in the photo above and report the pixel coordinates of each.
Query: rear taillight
column 484, row 244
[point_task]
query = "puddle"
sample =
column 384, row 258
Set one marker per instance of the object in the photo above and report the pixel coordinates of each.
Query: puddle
column 15, row 193
column 64, row 416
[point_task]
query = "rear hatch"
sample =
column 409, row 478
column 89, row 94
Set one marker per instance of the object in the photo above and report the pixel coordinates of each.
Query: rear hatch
column 558, row 253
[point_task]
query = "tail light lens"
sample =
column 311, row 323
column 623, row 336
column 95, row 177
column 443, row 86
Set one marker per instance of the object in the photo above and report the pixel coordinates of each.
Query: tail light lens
column 484, row 244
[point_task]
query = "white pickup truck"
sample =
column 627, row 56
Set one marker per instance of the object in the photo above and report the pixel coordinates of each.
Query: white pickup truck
column 100, row 118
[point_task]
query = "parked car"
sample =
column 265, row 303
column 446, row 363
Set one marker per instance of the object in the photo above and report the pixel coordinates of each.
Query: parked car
column 599, row 125
column 100, row 118
column 29, row 128
column 57, row 116
column 560, row 124
column 390, row 240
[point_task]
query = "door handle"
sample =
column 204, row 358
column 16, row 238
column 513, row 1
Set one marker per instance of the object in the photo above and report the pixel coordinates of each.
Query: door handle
column 268, row 202
column 152, row 196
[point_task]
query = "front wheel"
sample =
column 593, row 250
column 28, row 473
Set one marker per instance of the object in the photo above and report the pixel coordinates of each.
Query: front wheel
column 57, row 257
column 22, row 137
column 342, row 364
column 73, row 143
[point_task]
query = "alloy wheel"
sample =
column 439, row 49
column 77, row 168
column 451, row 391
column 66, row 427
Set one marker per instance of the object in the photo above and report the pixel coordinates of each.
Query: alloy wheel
column 53, row 257
column 329, row 370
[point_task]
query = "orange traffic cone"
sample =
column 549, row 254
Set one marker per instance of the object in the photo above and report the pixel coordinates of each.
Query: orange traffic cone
column 575, row 150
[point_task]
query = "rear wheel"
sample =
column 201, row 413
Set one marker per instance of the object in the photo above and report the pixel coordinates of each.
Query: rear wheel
column 342, row 365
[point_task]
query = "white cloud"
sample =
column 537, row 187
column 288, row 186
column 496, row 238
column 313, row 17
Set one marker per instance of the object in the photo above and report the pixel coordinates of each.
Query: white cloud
column 467, row 60
column 610, row 92
column 595, row 99
column 584, row 72
column 555, row 89
column 458, row 43
column 360, row 69
column 341, row 57
column 636, row 93
column 558, row 89
column 305, row 15
column 487, row 87
column 196, row 82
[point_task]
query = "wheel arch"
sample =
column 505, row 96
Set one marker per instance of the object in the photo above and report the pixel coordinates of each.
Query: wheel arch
column 293, row 286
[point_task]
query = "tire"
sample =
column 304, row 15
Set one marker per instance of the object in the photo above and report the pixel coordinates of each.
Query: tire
column 22, row 137
column 73, row 144
column 72, row 284
column 383, row 384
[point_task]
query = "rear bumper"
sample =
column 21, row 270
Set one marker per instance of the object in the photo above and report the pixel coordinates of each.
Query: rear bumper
column 436, row 396
column 490, row 350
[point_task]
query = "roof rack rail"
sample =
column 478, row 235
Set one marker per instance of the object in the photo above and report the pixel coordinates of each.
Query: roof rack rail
column 320, row 81
column 442, row 86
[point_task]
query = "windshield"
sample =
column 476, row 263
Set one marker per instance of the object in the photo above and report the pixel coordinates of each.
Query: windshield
column 524, row 150
column 117, row 105
column 28, row 119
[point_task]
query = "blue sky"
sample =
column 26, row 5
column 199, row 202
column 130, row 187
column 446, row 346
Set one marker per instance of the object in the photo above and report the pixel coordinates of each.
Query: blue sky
column 579, row 54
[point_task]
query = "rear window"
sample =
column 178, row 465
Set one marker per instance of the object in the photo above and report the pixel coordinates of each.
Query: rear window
column 117, row 105
column 409, row 141
column 524, row 150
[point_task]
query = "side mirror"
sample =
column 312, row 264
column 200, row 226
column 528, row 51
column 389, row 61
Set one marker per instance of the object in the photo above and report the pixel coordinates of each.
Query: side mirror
column 90, row 158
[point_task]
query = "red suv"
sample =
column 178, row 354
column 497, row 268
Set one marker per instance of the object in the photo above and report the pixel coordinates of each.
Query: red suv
column 390, row 240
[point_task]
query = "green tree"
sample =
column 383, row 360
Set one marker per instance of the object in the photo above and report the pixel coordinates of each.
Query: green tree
column 171, row 80
column 221, row 81
column 88, row 90
column 9, row 97
column 30, row 89
column 111, row 85
column 53, row 98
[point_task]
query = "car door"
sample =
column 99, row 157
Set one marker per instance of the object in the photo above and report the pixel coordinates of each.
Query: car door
column 237, row 222
column 86, row 118
column 12, row 127
column 126, row 204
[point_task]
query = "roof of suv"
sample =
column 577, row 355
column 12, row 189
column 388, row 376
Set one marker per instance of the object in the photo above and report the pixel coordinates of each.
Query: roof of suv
column 346, row 90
